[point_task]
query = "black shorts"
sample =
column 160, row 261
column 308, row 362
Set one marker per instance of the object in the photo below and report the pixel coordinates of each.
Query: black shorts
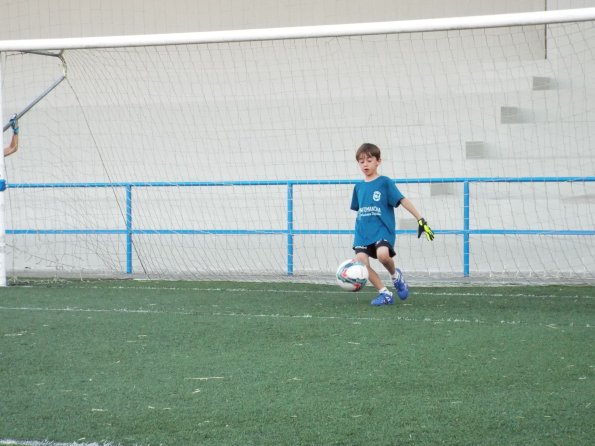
column 371, row 249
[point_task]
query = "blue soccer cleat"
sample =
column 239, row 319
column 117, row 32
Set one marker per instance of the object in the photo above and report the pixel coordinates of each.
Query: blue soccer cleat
column 401, row 285
column 385, row 298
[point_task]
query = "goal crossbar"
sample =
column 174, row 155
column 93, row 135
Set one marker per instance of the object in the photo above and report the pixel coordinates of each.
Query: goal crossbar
column 303, row 32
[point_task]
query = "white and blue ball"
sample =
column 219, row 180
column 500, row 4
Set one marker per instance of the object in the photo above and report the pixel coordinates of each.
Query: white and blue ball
column 352, row 275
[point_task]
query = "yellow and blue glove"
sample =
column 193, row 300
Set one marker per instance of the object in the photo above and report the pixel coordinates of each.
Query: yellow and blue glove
column 424, row 228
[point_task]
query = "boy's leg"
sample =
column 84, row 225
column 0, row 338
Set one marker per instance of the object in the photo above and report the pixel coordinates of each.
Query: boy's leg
column 384, row 297
column 384, row 256
column 372, row 275
column 387, row 261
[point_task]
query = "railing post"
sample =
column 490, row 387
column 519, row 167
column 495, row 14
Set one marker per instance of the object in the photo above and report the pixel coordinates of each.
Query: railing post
column 466, row 228
column 129, row 229
column 290, row 229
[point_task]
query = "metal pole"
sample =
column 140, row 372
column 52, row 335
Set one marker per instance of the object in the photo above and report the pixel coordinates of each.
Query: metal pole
column 46, row 91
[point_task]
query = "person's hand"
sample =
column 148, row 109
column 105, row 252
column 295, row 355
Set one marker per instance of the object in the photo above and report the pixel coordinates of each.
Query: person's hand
column 14, row 123
column 423, row 227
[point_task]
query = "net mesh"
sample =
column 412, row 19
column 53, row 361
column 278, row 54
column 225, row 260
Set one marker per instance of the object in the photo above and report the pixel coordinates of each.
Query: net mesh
column 236, row 160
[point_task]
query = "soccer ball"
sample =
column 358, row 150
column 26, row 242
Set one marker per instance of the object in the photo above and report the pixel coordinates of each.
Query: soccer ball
column 352, row 275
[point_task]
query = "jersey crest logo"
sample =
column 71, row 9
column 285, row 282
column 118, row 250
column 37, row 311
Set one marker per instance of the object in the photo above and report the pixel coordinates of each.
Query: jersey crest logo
column 376, row 195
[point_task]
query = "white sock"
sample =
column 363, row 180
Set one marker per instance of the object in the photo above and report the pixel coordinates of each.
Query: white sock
column 385, row 291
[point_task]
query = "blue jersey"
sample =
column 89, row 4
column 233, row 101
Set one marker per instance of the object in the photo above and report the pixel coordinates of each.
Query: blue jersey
column 375, row 202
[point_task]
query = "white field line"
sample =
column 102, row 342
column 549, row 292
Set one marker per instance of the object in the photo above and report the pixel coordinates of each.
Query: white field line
column 248, row 315
column 538, row 296
column 9, row 442
column 425, row 292
column 351, row 319
column 303, row 316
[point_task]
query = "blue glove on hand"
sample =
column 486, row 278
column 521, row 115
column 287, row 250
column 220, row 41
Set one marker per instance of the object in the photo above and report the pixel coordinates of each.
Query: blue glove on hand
column 14, row 123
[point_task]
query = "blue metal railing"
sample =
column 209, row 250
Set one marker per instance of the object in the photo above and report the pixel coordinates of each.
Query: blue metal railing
column 290, row 230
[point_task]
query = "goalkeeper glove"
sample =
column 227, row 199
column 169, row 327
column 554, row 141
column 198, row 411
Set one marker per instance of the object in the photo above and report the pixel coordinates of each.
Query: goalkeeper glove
column 14, row 123
column 423, row 227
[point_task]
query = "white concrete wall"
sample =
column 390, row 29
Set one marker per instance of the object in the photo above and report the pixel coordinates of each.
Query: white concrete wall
column 460, row 105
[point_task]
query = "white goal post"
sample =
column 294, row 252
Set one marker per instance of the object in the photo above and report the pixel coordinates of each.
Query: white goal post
column 230, row 154
column 305, row 32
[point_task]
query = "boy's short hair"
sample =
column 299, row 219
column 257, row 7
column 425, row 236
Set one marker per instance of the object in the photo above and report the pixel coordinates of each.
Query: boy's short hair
column 367, row 149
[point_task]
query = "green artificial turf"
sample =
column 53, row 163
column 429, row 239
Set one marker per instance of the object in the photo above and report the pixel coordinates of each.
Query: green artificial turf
column 189, row 363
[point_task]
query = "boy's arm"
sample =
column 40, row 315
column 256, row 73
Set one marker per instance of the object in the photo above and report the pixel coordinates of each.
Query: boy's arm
column 14, row 145
column 422, row 223
column 14, row 142
column 406, row 203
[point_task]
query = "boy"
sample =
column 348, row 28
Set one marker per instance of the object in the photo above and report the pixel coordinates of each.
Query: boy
column 375, row 200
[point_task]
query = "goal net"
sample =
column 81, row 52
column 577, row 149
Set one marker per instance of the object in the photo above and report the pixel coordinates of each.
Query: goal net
column 235, row 159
